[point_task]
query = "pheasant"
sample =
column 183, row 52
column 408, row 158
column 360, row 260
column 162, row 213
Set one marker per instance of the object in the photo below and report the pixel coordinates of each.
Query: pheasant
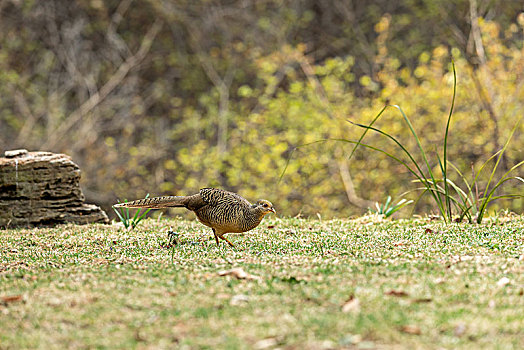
column 223, row 211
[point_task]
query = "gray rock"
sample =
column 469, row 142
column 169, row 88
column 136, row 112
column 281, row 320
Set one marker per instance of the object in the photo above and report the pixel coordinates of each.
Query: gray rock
column 42, row 188
column 15, row 153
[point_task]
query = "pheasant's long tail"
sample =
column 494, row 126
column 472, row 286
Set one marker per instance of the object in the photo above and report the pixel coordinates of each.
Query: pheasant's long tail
column 155, row 202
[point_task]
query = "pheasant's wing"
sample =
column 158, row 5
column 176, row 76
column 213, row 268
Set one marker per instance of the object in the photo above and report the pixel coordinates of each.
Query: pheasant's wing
column 195, row 202
column 218, row 197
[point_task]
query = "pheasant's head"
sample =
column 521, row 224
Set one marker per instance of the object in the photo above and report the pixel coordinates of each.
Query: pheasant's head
column 264, row 206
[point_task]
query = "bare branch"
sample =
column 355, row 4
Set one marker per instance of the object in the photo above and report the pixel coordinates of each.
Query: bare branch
column 350, row 188
column 475, row 30
column 108, row 87
column 29, row 117
column 316, row 85
column 222, row 84
column 112, row 34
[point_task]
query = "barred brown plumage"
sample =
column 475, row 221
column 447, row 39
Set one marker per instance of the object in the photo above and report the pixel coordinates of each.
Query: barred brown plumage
column 223, row 211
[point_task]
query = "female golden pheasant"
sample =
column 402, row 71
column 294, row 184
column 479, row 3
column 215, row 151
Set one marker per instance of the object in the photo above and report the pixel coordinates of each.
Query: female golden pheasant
column 221, row 210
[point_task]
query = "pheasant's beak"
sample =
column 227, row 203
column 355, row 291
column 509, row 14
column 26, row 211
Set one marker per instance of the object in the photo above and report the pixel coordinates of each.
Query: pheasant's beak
column 273, row 210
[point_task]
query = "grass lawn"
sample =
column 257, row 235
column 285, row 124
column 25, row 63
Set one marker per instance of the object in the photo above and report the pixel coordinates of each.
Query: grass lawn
column 303, row 284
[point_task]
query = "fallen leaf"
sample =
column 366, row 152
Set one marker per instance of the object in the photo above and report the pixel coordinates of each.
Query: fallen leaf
column 271, row 226
column 11, row 299
column 239, row 274
column 411, row 329
column 422, row 300
column 503, row 281
column 351, row 305
column 239, row 299
column 428, row 230
column 396, row 293
column 54, row 301
column 324, row 344
column 351, row 339
column 138, row 336
column 266, row 343
column 459, row 330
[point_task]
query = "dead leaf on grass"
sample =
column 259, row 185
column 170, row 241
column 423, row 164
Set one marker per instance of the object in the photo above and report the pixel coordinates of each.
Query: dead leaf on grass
column 83, row 301
column 239, row 299
column 351, row 305
column 239, row 274
column 266, row 343
column 396, row 293
column 139, row 337
column 100, row 261
column 222, row 296
column 503, row 282
column 354, row 339
column 422, row 300
column 411, row 329
column 11, row 299
column 459, row 330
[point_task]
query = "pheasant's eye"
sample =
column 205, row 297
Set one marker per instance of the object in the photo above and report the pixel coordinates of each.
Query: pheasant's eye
column 265, row 205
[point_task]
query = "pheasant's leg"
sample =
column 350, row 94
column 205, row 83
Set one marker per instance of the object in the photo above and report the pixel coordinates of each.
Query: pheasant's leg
column 227, row 240
column 216, row 237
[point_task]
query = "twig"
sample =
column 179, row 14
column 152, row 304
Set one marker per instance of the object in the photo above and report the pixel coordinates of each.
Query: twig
column 108, row 87
column 222, row 84
column 350, row 188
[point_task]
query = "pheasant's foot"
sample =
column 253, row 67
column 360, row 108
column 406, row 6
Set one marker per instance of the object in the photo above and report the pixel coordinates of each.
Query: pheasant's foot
column 227, row 240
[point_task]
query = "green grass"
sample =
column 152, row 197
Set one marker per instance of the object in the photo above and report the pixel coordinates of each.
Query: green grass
column 445, row 193
column 101, row 287
column 452, row 201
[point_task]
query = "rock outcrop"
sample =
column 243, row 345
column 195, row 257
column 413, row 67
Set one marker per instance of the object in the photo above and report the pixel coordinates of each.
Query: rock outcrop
column 42, row 189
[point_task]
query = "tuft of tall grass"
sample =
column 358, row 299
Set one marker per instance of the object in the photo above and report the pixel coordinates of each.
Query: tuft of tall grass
column 130, row 222
column 448, row 196
column 388, row 208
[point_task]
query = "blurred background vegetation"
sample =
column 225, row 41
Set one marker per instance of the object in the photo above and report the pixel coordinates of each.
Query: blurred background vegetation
column 166, row 96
